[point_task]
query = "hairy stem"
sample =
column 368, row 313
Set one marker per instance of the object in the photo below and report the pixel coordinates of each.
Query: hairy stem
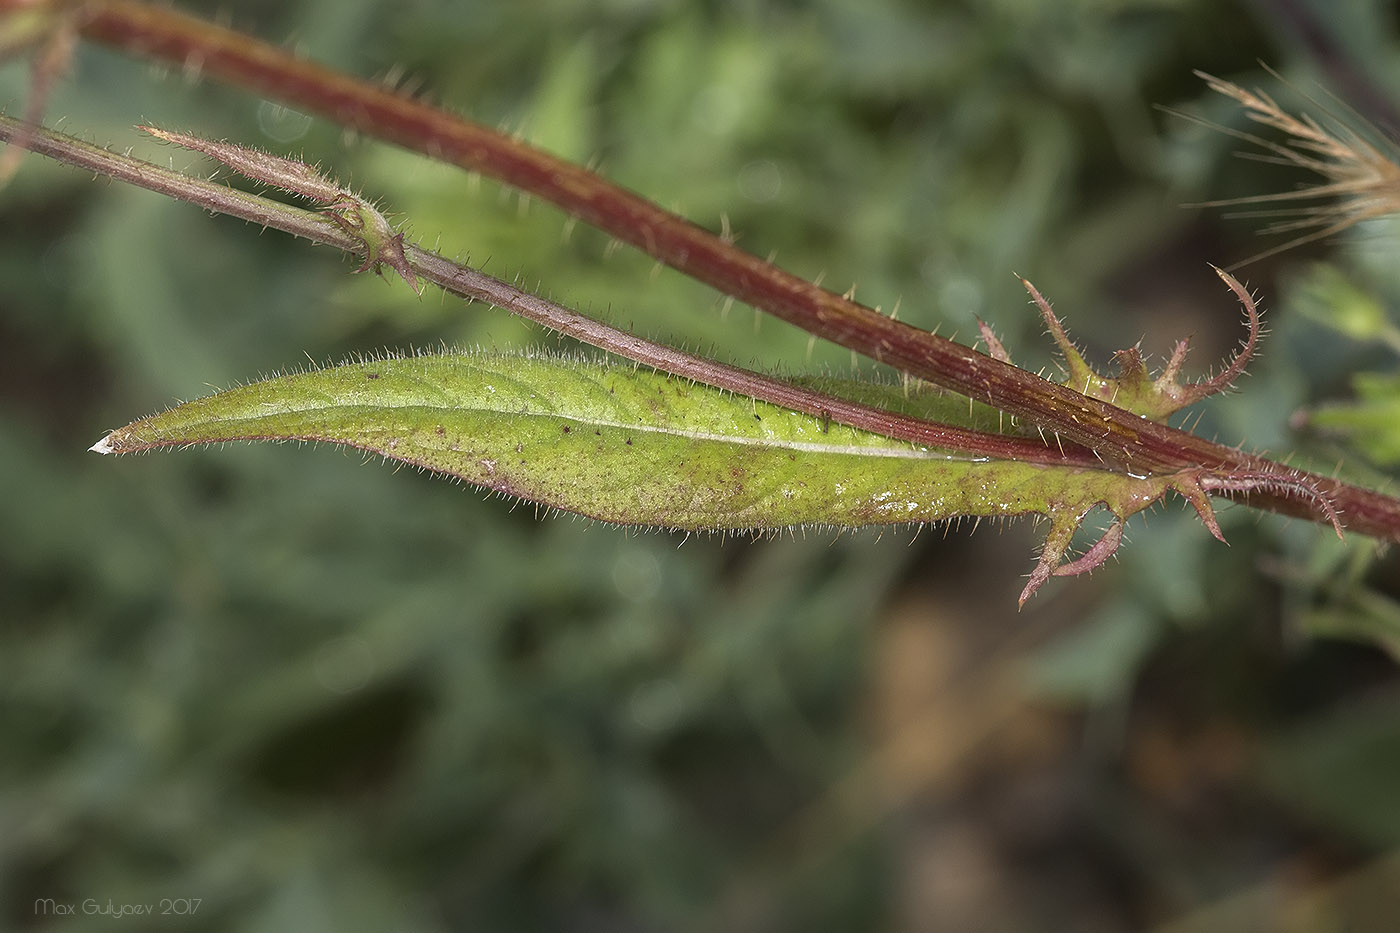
column 1365, row 511
column 1115, row 435
column 469, row 283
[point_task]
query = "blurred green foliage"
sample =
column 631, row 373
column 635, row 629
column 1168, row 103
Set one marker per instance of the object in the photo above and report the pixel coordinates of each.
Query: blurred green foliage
column 1373, row 422
column 321, row 696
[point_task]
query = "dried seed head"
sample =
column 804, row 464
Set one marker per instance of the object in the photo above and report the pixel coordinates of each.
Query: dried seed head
column 1361, row 178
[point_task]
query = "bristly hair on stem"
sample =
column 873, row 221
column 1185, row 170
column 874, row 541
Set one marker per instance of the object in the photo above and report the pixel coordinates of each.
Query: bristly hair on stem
column 1362, row 177
column 1112, row 436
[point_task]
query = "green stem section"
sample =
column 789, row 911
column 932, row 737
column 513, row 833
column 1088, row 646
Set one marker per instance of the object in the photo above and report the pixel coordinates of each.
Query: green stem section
column 1115, row 435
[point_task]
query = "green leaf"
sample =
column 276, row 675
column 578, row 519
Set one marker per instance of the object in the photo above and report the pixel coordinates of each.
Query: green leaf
column 1364, row 616
column 1372, row 422
column 637, row 447
column 1333, row 299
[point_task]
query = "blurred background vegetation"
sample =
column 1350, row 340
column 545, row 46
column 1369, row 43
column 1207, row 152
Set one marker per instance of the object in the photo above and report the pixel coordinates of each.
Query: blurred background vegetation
column 321, row 695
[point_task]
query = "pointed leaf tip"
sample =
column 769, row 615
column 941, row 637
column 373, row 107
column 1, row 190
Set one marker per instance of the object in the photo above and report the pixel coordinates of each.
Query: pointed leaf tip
column 1094, row 558
column 1079, row 375
column 1191, row 488
column 290, row 175
column 1235, row 367
column 1061, row 531
column 1293, row 484
column 634, row 447
column 995, row 349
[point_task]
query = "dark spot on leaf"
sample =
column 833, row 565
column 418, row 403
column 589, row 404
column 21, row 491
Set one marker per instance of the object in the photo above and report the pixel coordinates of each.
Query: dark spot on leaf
column 629, row 442
column 440, row 430
column 566, row 429
column 371, row 375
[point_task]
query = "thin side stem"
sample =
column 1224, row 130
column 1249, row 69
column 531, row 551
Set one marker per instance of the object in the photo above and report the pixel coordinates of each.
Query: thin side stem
column 471, row 284
column 1117, row 436
column 1366, row 512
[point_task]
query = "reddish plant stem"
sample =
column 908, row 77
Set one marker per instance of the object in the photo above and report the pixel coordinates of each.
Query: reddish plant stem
column 1115, row 435
column 204, row 48
column 472, row 284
